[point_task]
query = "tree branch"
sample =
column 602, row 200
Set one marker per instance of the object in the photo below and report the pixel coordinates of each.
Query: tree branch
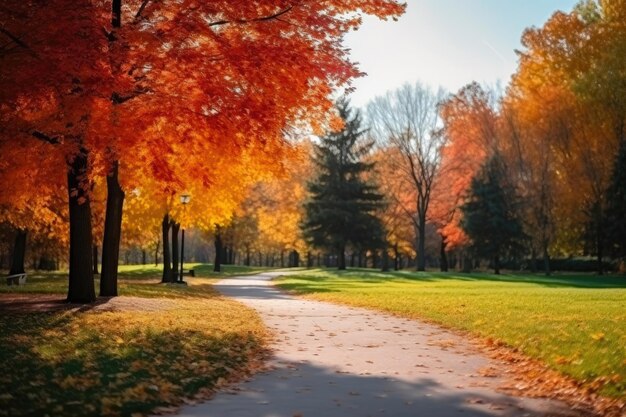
column 144, row 3
column 54, row 140
column 118, row 98
column 274, row 16
column 18, row 41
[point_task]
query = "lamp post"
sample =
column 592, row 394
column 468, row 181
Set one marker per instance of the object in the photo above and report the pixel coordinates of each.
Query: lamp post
column 184, row 200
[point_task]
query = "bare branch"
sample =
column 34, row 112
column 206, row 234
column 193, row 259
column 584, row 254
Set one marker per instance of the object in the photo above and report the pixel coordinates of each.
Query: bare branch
column 18, row 41
column 118, row 98
column 54, row 140
column 274, row 16
column 138, row 16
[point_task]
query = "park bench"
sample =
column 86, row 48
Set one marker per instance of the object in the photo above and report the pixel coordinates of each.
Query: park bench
column 16, row 279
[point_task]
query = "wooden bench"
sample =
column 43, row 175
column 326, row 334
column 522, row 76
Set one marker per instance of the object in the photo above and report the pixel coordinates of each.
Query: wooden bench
column 16, row 279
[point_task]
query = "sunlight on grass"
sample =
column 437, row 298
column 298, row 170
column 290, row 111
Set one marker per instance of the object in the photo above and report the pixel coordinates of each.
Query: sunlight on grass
column 575, row 323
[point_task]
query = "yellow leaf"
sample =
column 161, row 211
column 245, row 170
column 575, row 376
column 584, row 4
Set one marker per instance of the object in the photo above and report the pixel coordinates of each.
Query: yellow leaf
column 598, row 336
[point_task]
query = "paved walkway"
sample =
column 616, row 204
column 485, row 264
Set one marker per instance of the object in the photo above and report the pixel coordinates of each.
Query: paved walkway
column 333, row 361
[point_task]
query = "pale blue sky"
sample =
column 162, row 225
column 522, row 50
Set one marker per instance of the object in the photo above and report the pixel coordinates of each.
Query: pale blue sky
column 446, row 43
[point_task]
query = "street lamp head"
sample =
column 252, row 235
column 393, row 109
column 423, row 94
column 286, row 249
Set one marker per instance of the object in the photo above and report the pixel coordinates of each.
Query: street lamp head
column 184, row 198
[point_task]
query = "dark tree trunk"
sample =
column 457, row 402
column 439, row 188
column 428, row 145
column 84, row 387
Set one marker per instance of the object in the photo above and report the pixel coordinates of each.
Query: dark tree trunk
column 309, row 260
column 144, row 257
column 175, row 252
column 600, row 247
column 533, row 260
column 167, row 266
column 19, row 253
column 467, row 264
column 546, row 261
column 217, row 265
column 396, row 257
column 282, row 258
column 443, row 254
column 156, row 253
column 496, row 264
column 360, row 260
column 421, row 243
column 95, row 259
column 112, row 234
column 385, row 266
column 81, row 285
column 341, row 258
column 247, row 262
column 318, row 260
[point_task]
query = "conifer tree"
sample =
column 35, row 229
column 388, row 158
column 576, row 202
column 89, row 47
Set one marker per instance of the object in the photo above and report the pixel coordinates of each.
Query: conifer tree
column 342, row 208
column 490, row 217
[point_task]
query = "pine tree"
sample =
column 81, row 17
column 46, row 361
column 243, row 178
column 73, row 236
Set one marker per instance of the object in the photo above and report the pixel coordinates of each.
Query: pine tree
column 616, row 206
column 342, row 208
column 490, row 217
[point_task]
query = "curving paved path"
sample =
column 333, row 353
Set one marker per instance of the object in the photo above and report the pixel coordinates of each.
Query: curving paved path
column 333, row 361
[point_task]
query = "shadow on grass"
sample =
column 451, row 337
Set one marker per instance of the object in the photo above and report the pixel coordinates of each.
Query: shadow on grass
column 322, row 280
column 52, row 368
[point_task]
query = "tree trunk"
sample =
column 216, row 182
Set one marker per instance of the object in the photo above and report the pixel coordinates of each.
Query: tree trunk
column 496, row 264
column 396, row 257
column 442, row 253
column 156, row 253
column 421, row 243
column 217, row 265
column 282, row 258
column 144, row 257
column 341, row 260
column 19, row 253
column 385, row 266
column 546, row 261
column 167, row 266
column 95, row 259
column 247, row 261
column 81, row 285
column 175, row 252
column 309, row 260
column 112, row 234
column 467, row 263
column 600, row 245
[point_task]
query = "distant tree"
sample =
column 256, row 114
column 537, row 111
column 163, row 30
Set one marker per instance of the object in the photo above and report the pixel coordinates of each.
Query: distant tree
column 490, row 217
column 616, row 206
column 407, row 121
column 341, row 209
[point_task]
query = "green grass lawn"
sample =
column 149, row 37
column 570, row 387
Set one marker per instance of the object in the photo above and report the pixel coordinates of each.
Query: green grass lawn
column 574, row 323
column 129, row 361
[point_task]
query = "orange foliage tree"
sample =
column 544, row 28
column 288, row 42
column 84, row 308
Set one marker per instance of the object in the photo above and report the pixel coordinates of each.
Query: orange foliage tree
column 106, row 84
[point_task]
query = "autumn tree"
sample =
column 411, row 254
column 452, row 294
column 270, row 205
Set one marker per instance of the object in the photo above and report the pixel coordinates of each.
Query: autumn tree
column 98, row 98
column 407, row 120
column 341, row 208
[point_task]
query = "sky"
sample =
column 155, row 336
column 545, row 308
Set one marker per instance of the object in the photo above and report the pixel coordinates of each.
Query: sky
column 446, row 43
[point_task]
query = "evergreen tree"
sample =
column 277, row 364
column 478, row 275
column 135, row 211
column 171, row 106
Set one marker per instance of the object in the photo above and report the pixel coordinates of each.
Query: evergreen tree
column 342, row 206
column 616, row 206
column 490, row 217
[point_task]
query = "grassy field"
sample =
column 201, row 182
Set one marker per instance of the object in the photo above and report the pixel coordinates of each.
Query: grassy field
column 125, row 356
column 575, row 323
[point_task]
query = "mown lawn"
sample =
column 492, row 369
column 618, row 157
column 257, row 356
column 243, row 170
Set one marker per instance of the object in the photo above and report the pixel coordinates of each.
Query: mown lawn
column 575, row 323
column 166, row 343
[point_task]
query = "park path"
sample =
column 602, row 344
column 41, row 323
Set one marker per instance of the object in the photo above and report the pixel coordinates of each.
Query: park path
column 332, row 361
